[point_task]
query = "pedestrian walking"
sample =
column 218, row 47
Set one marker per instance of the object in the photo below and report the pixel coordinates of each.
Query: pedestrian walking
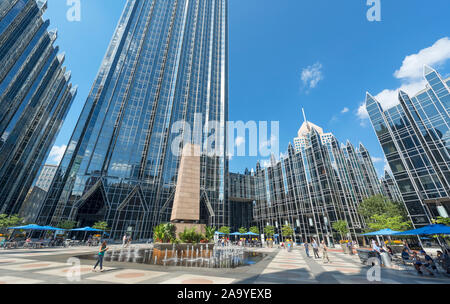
column 101, row 254
column 316, row 249
column 307, row 249
column 124, row 240
column 325, row 253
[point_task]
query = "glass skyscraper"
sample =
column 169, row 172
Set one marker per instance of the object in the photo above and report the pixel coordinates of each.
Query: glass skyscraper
column 167, row 62
column 317, row 183
column 35, row 95
column 415, row 137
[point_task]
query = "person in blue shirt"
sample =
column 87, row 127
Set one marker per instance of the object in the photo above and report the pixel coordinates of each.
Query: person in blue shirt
column 307, row 249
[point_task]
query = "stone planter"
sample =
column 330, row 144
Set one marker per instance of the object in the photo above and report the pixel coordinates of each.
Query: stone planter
column 345, row 248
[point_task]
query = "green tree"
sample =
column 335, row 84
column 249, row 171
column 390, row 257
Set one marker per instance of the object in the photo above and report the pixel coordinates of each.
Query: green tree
column 380, row 204
column 383, row 221
column 254, row 229
column 269, row 231
column 67, row 224
column 7, row 221
column 341, row 227
column 225, row 230
column 242, row 230
column 101, row 226
column 381, row 213
column 442, row 220
column 287, row 231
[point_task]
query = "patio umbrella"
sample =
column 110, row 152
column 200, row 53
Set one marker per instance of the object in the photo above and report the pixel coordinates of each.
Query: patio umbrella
column 427, row 230
column 29, row 227
column 220, row 233
column 382, row 232
column 86, row 230
column 50, row 228
column 251, row 233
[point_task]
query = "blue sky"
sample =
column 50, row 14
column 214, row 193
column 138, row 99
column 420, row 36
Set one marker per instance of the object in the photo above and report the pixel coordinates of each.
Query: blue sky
column 288, row 54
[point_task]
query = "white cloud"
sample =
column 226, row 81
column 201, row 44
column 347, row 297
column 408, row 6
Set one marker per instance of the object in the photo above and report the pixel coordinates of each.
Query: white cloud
column 411, row 75
column 56, row 154
column 312, row 75
column 434, row 55
column 239, row 141
column 345, row 110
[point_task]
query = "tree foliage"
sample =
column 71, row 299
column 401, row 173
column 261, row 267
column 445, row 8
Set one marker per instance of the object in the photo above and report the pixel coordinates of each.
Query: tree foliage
column 225, row 229
column 254, row 229
column 269, row 231
column 67, row 224
column 442, row 220
column 341, row 227
column 380, row 204
column 101, row 226
column 242, row 230
column 287, row 231
column 382, row 221
column 7, row 221
column 381, row 213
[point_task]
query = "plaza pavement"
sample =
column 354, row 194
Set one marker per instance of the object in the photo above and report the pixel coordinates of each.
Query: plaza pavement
column 49, row 266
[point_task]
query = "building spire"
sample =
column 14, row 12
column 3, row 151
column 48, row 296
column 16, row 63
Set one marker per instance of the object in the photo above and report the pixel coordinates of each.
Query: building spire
column 304, row 115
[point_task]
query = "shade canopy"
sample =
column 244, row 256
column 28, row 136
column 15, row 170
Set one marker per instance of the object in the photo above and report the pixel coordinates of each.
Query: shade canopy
column 427, row 230
column 30, row 227
column 382, row 232
column 87, row 229
column 50, row 228
column 251, row 233
column 220, row 233
column 236, row 233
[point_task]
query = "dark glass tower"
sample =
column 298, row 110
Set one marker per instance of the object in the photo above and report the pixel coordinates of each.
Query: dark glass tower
column 316, row 184
column 166, row 62
column 35, row 95
column 415, row 137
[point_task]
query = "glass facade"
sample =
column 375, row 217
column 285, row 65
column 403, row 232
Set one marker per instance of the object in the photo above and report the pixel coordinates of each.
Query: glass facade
column 316, row 184
column 35, row 96
column 415, row 138
column 167, row 62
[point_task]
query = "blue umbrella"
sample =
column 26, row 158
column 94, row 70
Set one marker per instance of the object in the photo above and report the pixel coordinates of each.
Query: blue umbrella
column 427, row 230
column 220, row 233
column 236, row 233
column 88, row 229
column 29, row 227
column 50, row 228
column 382, row 232
column 251, row 233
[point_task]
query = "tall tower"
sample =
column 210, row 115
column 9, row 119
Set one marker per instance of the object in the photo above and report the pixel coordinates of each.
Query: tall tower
column 415, row 138
column 165, row 73
column 35, row 96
